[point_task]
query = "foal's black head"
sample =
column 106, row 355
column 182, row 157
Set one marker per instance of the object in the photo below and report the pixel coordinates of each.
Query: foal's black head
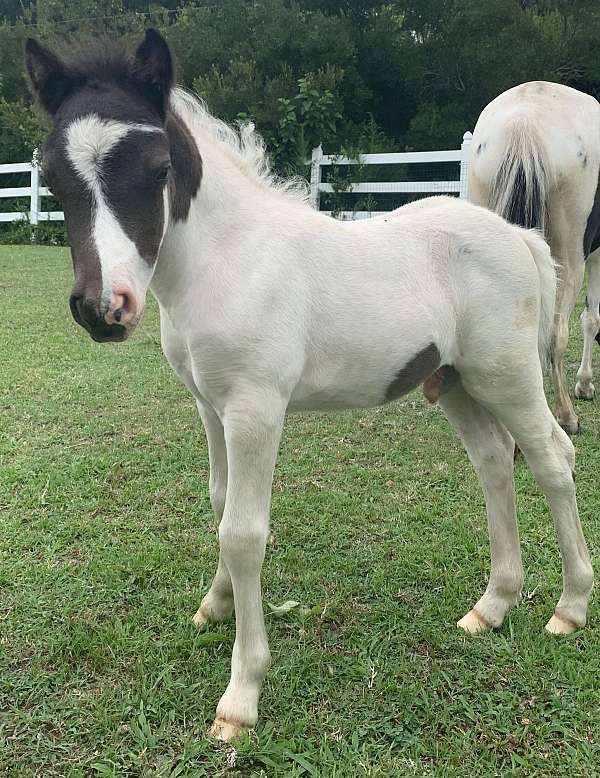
column 123, row 164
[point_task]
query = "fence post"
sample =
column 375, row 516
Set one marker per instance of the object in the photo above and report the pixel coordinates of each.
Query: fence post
column 34, row 205
column 315, row 175
column 465, row 156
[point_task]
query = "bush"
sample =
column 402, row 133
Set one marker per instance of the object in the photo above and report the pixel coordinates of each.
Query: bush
column 45, row 234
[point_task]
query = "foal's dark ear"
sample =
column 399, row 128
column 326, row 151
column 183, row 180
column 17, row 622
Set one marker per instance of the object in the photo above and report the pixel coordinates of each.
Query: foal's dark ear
column 152, row 69
column 49, row 77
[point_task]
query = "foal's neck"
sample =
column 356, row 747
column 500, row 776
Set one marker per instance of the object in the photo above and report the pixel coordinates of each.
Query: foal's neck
column 214, row 226
column 214, row 205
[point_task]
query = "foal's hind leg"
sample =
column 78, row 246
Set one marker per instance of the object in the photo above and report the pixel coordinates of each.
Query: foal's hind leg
column 490, row 449
column 217, row 604
column 551, row 457
column 590, row 325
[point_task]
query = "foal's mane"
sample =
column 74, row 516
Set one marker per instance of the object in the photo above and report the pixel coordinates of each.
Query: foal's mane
column 242, row 143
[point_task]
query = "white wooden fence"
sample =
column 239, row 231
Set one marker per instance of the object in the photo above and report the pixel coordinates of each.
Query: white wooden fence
column 34, row 192
column 458, row 186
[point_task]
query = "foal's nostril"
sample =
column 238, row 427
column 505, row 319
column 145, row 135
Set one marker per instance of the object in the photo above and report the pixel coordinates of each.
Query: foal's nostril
column 122, row 308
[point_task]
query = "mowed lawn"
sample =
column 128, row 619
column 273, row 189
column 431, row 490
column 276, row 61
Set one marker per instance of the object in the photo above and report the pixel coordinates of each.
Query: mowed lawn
column 108, row 542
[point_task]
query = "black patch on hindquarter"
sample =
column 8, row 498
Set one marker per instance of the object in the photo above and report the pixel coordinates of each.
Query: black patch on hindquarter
column 420, row 367
column 187, row 167
column 591, row 236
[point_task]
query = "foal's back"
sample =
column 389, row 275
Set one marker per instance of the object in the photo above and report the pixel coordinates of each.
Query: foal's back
column 436, row 282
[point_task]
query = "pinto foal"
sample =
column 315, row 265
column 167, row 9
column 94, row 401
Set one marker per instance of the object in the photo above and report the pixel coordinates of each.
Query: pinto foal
column 267, row 305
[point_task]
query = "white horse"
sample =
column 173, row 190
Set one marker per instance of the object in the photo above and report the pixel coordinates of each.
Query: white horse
column 267, row 305
column 536, row 162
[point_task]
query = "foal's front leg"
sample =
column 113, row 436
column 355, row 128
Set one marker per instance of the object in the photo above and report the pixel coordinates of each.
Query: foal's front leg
column 252, row 439
column 217, row 604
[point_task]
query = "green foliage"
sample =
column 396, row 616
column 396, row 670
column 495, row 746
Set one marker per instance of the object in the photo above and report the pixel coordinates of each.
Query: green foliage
column 307, row 119
column 312, row 71
column 23, row 130
column 44, row 234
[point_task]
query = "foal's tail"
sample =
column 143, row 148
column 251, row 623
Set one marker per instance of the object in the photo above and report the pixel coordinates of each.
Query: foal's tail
column 519, row 189
column 540, row 251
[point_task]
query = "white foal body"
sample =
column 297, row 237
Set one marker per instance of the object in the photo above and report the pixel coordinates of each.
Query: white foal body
column 268, row 306
column 299, row 311
column 536, row 161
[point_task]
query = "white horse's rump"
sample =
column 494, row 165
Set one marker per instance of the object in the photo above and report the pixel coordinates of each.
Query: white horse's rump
column 267, row 305
column 536, row 159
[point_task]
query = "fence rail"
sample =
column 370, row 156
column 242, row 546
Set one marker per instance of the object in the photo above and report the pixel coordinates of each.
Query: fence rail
column 35, row 192
column 458, row 186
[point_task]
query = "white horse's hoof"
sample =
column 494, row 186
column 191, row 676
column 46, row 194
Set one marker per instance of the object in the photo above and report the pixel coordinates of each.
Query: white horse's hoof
column 226, row 730
column 558, row 625
column 587, row 393
column 571, row 427
column 473, row 623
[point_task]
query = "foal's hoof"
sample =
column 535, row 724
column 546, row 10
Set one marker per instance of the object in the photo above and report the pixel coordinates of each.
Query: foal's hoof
column 213, row 612
column 226, row 730
column 200, row 618
column 473, row 623
column 559, row 625
column 586, row 393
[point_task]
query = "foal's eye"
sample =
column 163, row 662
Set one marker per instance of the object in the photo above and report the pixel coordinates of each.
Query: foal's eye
column 162, row 173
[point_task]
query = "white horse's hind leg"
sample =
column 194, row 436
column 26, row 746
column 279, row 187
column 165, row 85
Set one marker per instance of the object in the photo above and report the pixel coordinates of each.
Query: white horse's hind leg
column 551, row 457
column 590, row 325
column 217, row 604
column 490, row 449
column 570, row 262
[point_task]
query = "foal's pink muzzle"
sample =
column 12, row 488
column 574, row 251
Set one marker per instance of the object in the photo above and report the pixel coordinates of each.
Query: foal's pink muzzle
column 123, row 308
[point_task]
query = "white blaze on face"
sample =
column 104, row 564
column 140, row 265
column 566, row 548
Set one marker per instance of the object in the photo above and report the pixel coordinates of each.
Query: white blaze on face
column 89, row 141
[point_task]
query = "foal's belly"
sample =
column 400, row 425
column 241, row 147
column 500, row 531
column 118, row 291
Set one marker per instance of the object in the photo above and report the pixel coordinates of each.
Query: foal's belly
column 363, row 381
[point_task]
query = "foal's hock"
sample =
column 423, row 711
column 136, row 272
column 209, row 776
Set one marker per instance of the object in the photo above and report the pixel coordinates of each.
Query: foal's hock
column 267, row 305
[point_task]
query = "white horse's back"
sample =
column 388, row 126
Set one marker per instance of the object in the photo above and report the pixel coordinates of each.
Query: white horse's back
column 565, row 122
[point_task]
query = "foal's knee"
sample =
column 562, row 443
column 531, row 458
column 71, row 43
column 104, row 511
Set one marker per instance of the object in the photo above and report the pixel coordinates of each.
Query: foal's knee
column 242, row 545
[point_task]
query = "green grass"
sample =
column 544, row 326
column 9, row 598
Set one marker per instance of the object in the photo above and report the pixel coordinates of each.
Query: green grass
column 107, row 544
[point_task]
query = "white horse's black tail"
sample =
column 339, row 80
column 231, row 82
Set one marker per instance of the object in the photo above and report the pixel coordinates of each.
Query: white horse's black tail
column 518, row 192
